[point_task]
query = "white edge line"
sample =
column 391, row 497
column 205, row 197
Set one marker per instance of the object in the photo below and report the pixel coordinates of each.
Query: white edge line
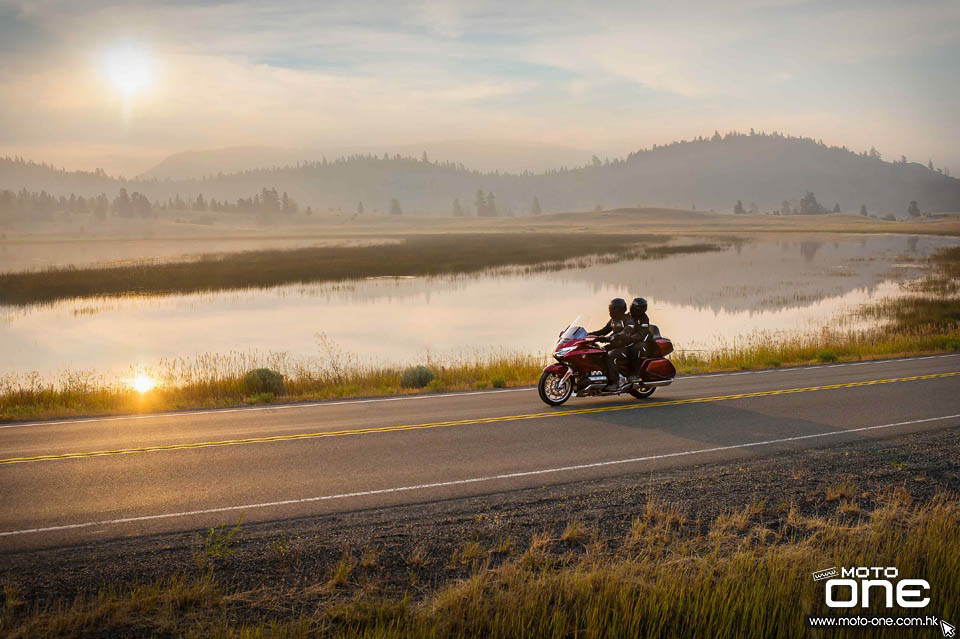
column 460, row 482
column 376, row 400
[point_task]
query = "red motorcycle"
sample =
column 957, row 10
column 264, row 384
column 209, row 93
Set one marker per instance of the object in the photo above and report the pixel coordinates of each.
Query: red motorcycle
column 581, row 363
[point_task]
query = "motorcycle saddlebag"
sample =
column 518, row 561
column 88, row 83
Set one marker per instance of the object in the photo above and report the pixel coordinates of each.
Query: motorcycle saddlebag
column 657, row 369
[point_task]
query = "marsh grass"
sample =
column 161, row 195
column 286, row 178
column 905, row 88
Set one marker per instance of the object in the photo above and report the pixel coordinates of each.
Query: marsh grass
column 418, row 255
column 675, row 577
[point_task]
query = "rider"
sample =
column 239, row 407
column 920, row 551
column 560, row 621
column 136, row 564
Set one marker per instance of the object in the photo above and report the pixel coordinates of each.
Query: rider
column 642, row 341
column 620, row 328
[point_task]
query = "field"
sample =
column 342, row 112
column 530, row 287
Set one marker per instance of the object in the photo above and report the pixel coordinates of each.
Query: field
column 190, row 227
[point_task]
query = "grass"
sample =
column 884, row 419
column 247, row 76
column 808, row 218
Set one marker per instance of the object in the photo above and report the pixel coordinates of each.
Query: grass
column 419, row 255
column 925, row 321
column 745, row 574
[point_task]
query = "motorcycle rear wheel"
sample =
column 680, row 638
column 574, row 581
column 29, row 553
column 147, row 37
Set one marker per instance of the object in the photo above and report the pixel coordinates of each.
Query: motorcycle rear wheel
column 551, row 392
column 643, row 392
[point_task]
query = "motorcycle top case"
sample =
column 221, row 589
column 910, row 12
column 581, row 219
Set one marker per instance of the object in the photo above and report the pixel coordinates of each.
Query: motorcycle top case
column 657, row 369
column 664, row 345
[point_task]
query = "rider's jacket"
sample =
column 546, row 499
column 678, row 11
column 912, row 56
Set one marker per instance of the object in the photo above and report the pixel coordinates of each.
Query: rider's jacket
column 621, row 331
column 641, row 329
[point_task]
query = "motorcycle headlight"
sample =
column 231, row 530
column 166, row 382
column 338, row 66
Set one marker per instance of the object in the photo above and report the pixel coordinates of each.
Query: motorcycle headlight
column 560, row 352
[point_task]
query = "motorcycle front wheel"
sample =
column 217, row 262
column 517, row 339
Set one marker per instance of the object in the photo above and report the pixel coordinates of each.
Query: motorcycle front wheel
column 643, row 392
column 552, row 392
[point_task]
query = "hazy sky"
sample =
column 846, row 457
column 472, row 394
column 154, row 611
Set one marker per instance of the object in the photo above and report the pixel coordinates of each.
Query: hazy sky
column 120, row 85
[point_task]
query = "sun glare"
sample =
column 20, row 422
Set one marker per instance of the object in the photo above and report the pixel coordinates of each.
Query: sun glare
column 129, row 69
column 143, row 383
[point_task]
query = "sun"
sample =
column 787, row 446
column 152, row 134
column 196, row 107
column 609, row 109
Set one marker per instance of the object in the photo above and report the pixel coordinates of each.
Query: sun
column 129, row 69
column 143, row 383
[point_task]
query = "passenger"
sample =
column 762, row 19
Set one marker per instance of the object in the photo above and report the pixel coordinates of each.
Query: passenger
column 620, row 329
column 641, row 343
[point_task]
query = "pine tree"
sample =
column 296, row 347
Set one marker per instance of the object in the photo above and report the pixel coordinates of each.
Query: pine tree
column 481, row 204
column 491, row 205
column 863, row 210
column 121, row 204
column 535, row 207
column 810, row 206
column 738, row 208
column 395, row 207
column 359, row 208
column 913, row 210
column 457, row 209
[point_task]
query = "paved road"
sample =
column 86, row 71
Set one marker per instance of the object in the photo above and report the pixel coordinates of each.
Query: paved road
column 76, row 481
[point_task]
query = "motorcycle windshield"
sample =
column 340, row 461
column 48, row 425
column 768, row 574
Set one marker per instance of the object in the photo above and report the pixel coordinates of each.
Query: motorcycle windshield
column 575, row 330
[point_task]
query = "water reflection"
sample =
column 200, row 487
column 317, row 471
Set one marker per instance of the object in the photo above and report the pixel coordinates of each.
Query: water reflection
column 700, row 300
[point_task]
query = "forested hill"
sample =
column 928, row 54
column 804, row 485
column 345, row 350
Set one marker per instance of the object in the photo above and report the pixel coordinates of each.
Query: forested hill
column 765, row 171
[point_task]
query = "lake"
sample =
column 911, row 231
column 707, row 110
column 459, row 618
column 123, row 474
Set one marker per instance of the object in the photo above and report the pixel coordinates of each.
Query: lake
column 772, row 285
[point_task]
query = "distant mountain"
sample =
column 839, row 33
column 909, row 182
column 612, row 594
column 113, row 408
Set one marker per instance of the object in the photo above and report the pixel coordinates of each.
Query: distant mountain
column 761, row 170
column 487, row 155
column 198, row 164
column 510, row 156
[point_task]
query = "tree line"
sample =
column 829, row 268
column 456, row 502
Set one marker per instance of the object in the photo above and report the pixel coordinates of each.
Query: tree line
column 808, row 205
column 36, row 206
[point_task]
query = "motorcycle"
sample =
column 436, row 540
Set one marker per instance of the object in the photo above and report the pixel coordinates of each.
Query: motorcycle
column 581, row 363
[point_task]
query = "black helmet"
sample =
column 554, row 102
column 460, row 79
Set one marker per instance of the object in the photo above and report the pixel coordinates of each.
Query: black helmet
column 638, row 306
column 617, row 308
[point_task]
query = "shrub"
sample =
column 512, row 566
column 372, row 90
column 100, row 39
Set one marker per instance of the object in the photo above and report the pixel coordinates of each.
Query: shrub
column 499, row 382
column 264, row 380
column 260, row 398
column 416, row 377
column 827, row 356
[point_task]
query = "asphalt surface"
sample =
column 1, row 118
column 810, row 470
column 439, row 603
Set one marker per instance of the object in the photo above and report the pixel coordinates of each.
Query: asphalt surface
column 78, row 481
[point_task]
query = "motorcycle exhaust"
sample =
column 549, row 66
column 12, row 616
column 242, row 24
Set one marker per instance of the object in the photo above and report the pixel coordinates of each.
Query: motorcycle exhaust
column 659, row 382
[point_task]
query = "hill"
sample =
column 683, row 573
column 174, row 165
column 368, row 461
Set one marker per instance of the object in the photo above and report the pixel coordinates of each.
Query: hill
column 762, row 171
column 198, row 164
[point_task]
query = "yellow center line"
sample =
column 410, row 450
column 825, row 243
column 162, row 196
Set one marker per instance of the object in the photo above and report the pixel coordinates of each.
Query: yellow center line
column 464, row 422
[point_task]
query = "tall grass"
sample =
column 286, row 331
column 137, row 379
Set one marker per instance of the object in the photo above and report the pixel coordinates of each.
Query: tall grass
column 218, row 379
column 673, row 576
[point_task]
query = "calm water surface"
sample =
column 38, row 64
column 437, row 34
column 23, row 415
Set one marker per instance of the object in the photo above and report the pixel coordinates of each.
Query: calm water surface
column 701, row 301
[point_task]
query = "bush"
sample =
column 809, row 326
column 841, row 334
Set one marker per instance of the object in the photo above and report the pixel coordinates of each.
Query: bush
column 499, row 382
column 259, row 398
column 416, row 377
column 827, row 356
column 264, row 380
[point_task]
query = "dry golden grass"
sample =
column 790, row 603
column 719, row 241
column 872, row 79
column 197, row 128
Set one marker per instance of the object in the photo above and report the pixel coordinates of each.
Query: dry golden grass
column 726, row 582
